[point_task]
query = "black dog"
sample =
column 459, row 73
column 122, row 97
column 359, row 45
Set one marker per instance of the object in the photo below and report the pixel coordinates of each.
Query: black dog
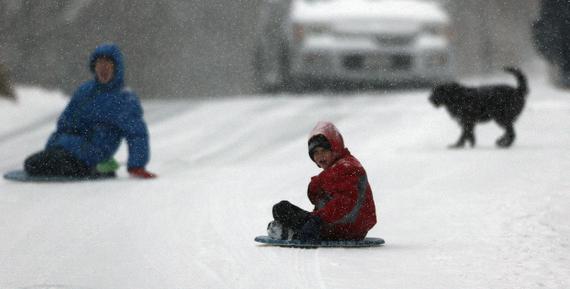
column 470, row 105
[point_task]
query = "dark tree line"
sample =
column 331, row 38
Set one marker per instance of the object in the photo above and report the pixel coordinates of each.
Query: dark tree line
column 172, row 48
column 183, row 48
column 490, row 34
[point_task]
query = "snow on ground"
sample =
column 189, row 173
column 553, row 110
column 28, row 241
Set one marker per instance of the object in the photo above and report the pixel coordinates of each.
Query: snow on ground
column 472, row 218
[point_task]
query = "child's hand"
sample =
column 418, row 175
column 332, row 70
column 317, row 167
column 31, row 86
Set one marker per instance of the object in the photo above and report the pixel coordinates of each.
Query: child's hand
column 141, row 173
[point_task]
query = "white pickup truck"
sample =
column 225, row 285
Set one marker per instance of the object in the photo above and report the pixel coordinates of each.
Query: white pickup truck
column 380, row 41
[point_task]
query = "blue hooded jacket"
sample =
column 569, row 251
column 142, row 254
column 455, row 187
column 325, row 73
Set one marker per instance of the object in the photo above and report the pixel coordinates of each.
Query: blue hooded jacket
column 99, row 116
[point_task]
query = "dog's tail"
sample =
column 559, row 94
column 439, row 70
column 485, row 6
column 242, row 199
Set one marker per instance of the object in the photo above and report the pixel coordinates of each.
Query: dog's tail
column 523, row 85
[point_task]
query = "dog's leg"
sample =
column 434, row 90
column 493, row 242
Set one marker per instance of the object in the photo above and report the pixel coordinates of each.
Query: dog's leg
column 508, row 138
column 471, row 134
column 466, row 135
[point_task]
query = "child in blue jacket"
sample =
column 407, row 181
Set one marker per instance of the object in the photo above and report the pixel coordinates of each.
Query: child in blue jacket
column 99, row 115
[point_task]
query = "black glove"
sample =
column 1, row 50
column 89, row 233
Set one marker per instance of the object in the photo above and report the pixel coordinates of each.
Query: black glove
column 311, row 230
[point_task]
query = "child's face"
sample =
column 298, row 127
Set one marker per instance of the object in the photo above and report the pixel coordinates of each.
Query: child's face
column 104, row 69
column 323, row 157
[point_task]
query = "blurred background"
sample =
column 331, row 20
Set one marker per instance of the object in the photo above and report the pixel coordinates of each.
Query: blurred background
column 183, row 49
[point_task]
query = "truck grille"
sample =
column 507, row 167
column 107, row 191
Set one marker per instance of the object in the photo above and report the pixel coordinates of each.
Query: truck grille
column 372, row 63
column 391, row 40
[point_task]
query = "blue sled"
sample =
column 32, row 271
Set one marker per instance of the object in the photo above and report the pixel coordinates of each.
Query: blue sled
column 366, row 242
column 22, row 176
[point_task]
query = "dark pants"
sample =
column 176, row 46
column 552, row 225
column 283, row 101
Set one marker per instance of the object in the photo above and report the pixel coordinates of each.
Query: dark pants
column 55, row 162
column 306, row 226
column 290, row 215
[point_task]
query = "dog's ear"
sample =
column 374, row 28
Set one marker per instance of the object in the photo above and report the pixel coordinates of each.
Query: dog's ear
column 442, row 93
column 452, row 87
column 440, row 89
column 448, row 86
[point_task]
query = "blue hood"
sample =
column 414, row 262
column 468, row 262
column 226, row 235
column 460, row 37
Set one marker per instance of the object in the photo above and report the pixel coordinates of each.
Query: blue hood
column 112, row 52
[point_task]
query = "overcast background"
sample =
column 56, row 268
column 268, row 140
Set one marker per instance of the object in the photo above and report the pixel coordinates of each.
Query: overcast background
column 181, row 49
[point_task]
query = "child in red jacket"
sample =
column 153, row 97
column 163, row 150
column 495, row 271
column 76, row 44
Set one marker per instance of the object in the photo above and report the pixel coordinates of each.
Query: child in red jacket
column 344, row 206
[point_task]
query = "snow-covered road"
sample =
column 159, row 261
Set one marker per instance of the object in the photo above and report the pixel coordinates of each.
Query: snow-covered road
column 471, row 219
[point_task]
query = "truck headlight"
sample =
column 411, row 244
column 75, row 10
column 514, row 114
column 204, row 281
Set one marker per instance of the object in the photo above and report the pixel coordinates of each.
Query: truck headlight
column 300, row 31
column 438, row 30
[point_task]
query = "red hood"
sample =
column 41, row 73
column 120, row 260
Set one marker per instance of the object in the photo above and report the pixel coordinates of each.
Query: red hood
column 333, row 136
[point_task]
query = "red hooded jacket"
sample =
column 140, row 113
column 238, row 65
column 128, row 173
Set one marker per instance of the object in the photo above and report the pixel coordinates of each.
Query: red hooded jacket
column 341, row 193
